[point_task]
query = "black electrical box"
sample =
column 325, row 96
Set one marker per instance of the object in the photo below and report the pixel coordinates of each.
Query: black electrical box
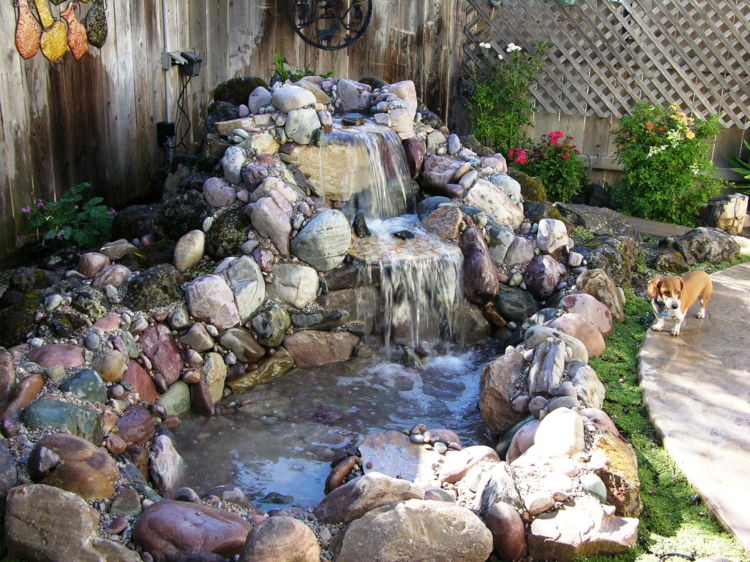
column 193, row 65
column 164, row 131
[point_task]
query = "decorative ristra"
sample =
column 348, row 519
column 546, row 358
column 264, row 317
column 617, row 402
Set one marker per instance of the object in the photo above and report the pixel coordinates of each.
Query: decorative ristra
column 55, row 35
column 27, row 31
column 96, row 24
column 77, row 40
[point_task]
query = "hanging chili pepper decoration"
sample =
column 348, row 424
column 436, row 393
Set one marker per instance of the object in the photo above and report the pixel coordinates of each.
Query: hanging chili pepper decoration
column 96, row 24
column 77, row 41
column 27, row 31
column 55, row 35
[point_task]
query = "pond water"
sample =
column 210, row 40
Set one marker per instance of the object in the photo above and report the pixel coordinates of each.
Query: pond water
column 283, row 440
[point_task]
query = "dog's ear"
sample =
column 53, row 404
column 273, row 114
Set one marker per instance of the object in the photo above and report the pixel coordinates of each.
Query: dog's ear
column 682, row 284
column 653, row 287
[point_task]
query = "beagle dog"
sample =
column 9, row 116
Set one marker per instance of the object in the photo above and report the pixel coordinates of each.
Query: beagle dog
column 671, row 297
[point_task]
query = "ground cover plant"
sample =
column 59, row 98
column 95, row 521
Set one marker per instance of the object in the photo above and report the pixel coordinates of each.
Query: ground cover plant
column 668, row 173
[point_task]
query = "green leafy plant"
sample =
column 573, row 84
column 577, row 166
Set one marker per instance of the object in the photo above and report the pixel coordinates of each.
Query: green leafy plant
column 668, row 171
column 554, row 163
column 743, row 167
column 66, row 221
column 500, row 104
column 286, row 71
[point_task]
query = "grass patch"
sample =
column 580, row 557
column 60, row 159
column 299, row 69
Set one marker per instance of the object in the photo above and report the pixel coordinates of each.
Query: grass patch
column 709, row 268
column 672, row 521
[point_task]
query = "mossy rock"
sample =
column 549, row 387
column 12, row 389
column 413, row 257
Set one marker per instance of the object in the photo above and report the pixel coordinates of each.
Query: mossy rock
column 156, row 287
column 220, row 111
column 18, row 320
column 470, row 142
column 90, row 302
column 373, row 82
column 607, row 253
column 180, row 214
column 155, row 254
column 29, row 279
column 238, row 90
column 212, row 151
column 62, row 324
column 669, row 261
column 531, row 188
column 430, row 118
column 228, row 233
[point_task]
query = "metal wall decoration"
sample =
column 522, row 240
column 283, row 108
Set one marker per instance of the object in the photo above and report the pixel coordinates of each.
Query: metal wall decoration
column 329, row 24
column 40, row 30
column 27, row 31
column 96, row 24
column 77, row 41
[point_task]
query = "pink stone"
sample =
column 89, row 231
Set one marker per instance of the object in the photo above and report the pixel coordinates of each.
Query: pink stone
column 148, row 239
column 90, row 263
column 57, row 354
column 141, row 382
column 159, row 346
column 458, row 463
column 210, row 300
column 136, row 426
column 115, row 275
column 591, row 309
column 218, row 193
column 580, row 328
column 108, row 323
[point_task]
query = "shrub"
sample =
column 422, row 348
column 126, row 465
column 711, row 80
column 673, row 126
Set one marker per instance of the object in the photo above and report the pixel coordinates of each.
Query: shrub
column 499, row 103
column 668, row 171
column 65, row 221
column 285, row 71
column 554, row 163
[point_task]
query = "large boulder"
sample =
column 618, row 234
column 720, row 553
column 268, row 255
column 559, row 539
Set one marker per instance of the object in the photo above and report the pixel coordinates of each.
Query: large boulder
column 598, row 220
column 560, row 433
column 613, row 460
column 45, row 523
column 289, row 98
column 608, row 253
column 446, row 532
column 311, row 348
column 169, row 530
column 247, row 283
column 355, row 498
column 581, row 329
column 324, row 242
column 498, row 381
column 134, row 221
column 281, row 539
column 599, row 285
column 591, row 309
column 44, row 414
column 543, row 275
column 156, row 287
column 706, row 244
column 296, row 285
column 271, row 217
column 490, row 198
column 180, row 214
column 514, row 304
column 480, row 279
column 210, row 299
column 228, row 233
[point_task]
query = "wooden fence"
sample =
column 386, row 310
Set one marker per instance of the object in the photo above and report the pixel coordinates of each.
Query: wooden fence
column 94, row 120
column 604, row 55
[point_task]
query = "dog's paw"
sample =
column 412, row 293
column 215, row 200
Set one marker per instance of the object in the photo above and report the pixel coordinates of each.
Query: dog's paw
column 675, row 332
column 701, row 313
column 657, row 327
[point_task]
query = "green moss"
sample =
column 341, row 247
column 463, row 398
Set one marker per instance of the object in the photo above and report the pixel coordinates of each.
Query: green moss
column 531, row 188
column 709, row 268
column 671, row 521
column 581, row 234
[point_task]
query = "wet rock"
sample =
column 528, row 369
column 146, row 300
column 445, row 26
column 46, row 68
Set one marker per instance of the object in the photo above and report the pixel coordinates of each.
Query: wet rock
column 80, row 479
column 141, row 382
column 57, row 354
column 169, row 530
column 444, row 222
column 352, row 500
column 508, row 532
column 210, row 299
column 189, row 249
column 312, row 348
column 46, row 523
column 448, row 532
column 614, row 461
column 479, row 274
column 249, row 288
column 560, row 433
column 319, row 320
column 86, row 385
column 476, row 324
column 62, row 415
column 493, row 201
column 135, row 426
column 581, row 329
column 458, row 463
column 515, row 305
column 271, row 325
column 201, row 400
column 161, row 349
column 176, row 401
column 268, row 369
column 537, row 334
column 155, row 287
column 180, row 214
column 415, row 150
column 324, row 242
column 498, row 380
column 542, row 276
column 23, row 394
column 213, row 374
column 581, row 528
column 166, row 464
column 392, row 453
column 281, row 539
column 90, row 263
column 296, row 285
column 241, row 343
column 438, row 172
column 302, row 125
column 69, row 448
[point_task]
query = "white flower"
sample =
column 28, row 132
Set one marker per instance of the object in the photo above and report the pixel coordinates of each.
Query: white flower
column 500, row 56
column 484, row 45
column 512, row 47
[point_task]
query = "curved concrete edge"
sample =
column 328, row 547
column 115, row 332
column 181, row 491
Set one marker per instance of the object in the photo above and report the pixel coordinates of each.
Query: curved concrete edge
column 696, row 388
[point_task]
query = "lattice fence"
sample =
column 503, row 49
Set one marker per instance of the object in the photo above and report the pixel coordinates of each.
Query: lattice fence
column 605, row 55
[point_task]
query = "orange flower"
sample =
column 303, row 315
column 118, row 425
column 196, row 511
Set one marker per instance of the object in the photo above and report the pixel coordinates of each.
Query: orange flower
column 660, row 130
column 649, row 126
column 633, row 139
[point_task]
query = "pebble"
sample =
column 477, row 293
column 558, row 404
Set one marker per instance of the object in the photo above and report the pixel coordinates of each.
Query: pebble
column 36, row 342
column 92, row 342
column 212, row 330
column 117, row 526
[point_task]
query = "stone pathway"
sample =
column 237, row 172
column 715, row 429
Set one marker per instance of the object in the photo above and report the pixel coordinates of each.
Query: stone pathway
column 656, row 228
column 697, row 391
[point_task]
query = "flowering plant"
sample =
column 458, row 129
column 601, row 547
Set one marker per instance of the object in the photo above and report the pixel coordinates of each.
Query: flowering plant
column 668, row 170
column 554, row 163
column 499, row 103
column 66, row 221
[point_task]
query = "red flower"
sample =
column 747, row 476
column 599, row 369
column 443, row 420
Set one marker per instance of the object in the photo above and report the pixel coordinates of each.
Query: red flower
column 565, row 156
column 555, row 136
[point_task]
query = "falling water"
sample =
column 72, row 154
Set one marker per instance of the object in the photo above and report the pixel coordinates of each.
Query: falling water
column 421, row 291
column 375, row 177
